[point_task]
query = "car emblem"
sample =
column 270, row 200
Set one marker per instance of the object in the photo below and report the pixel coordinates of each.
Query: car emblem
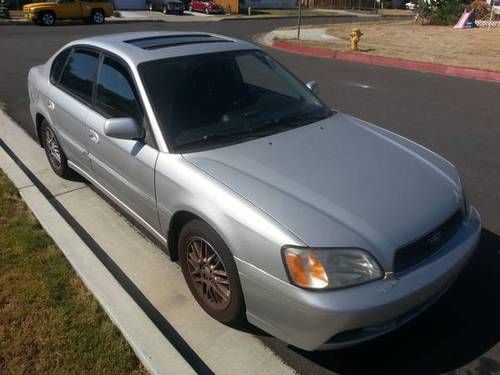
column 435, row 237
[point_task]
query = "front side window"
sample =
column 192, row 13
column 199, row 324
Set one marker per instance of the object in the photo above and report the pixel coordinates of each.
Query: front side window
column 211, row 100
column 79, row 74
column 115, row 95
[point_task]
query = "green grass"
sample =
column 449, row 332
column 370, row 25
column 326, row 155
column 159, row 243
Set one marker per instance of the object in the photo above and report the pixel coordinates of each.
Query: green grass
column 49, row 322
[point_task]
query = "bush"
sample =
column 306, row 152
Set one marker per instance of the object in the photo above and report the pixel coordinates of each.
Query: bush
column 440, row 12
column 116, row 14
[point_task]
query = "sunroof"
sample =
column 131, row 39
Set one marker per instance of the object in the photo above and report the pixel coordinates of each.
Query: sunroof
column 156, row 42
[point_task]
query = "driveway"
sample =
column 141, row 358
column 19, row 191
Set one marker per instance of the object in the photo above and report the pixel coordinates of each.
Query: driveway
column 455, row 117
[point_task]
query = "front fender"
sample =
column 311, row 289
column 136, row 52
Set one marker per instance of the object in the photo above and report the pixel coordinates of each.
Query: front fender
column 251, row 234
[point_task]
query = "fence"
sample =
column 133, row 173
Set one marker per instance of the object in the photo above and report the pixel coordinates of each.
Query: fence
column 340, row 4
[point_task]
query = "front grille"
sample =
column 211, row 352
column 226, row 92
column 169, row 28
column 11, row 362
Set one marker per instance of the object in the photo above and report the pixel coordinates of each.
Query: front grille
column 421, row 249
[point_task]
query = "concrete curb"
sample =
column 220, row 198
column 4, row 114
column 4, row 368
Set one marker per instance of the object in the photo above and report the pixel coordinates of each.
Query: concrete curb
column 483, row 75
column 155, row 352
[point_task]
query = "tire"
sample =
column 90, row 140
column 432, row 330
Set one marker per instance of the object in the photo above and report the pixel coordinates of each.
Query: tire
column 210, row 272
column 55, row 154
column 97, row 17
column 47, row 18
column 150, row 6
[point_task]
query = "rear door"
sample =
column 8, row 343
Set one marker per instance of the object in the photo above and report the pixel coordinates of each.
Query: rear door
column 124, row 167
column 69, row 101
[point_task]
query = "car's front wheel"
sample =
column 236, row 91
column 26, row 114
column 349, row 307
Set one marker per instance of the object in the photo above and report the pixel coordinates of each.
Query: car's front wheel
column 47, row 18
column 210, row 272
column 55, row 154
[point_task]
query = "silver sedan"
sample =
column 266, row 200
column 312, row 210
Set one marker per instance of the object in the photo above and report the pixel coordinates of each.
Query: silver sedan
column 315, row 226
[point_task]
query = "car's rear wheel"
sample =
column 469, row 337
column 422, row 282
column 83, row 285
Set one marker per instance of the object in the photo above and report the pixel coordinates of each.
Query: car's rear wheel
column 53, row 150
column 97, row 17
column 47, row 18
column 210, row 272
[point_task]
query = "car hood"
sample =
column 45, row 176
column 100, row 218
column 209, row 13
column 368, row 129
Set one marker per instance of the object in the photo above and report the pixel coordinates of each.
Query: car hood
column 341, row 182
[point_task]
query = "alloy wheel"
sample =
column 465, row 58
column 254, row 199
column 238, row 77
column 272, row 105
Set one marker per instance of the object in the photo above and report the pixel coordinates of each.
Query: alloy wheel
column 53, row 148
column 98, row 17
column 208, row 273
column 48, row 19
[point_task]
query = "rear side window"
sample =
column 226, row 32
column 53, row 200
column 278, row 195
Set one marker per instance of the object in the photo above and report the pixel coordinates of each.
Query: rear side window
column 79, row 74
column 58, row 65
column 115, row 94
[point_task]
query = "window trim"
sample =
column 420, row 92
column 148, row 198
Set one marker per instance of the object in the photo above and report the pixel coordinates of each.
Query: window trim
column 150, row 138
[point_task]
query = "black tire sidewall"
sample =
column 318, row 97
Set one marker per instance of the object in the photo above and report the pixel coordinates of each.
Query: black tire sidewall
column 235, row 311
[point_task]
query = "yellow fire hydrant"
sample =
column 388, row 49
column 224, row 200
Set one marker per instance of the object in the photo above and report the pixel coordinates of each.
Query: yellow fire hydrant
column 355, row 38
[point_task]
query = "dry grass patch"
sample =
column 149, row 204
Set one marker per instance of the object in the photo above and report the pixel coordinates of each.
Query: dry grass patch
column 473, row 48
column 49, row 322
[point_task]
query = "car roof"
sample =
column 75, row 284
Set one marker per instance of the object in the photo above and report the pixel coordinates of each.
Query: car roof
column 139, row 47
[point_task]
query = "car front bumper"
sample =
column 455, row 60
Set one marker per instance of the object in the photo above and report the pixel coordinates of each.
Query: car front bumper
column 313, row 320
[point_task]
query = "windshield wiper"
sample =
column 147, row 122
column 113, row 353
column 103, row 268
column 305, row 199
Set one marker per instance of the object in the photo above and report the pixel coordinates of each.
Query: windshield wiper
column 288, row 121
column 228, row 136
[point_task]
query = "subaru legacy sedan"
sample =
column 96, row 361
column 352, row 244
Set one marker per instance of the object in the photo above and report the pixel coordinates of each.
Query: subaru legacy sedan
column 317, row 227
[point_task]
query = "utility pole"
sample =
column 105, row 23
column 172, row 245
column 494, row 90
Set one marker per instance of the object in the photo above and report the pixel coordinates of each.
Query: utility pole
column 299, row 23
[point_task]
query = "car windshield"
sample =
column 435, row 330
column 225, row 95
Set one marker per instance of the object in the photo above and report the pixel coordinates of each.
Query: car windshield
column 212, row 100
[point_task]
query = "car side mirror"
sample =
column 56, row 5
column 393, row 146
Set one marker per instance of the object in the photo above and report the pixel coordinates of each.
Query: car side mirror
column 123, row 128
column 313, row 86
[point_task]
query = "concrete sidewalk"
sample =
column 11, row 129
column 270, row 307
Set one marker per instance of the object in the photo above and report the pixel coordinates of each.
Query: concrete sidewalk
column 142, row 291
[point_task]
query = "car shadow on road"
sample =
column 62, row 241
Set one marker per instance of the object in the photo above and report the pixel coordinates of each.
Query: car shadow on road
column 456, row 331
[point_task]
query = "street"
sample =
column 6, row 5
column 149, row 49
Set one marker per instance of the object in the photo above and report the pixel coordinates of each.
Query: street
column 457, row 118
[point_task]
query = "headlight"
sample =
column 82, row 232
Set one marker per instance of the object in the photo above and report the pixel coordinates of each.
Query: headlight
column 330, row 268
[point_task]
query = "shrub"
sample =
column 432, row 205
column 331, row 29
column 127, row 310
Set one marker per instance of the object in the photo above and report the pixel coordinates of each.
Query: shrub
column 116, row 14
column 440, row 12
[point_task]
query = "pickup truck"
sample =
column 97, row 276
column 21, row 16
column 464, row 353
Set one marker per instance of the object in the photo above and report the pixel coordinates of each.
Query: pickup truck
column 46, row 14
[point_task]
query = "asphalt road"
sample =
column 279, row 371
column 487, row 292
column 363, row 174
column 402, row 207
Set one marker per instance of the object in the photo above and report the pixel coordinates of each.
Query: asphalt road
column 458, row 118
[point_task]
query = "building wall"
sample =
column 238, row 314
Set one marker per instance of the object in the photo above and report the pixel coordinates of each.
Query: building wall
column 129, row 4
column 268, row 4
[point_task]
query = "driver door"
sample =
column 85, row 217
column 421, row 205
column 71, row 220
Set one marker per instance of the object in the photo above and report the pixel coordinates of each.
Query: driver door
column 124, row 167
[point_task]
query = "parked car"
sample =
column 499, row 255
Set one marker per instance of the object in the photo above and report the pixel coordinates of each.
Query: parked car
column 46, row 13
column 167, row 6
column 319, row 228
column 207, row 7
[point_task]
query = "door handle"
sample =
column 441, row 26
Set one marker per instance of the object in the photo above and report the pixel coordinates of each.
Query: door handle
column 51, row 105
column 94, row 137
